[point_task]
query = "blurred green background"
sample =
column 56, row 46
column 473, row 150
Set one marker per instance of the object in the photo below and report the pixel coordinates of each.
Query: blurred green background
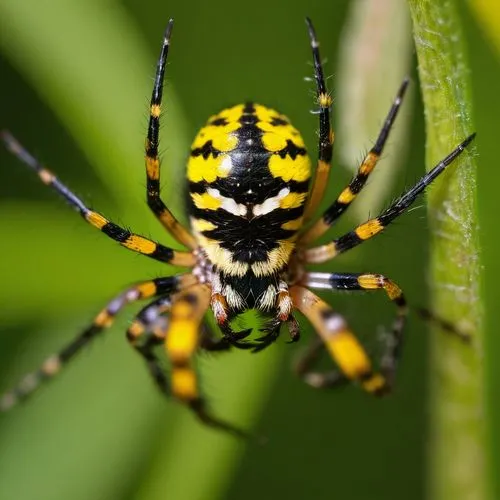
column 76, row 79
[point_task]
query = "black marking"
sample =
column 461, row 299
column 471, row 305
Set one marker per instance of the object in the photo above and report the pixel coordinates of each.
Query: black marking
column 279, row 122
column 347, row 241
column 219, row 122
column 250, row 288
column 344, row 281
column 166, row 284
column 163, row 253
column 206, row 150
column 249, row 108
column 249, row 240
column 115, row 232
column 292, row 150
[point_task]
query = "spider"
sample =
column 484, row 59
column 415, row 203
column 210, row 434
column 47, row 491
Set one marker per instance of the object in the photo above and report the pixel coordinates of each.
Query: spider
column 248, row 177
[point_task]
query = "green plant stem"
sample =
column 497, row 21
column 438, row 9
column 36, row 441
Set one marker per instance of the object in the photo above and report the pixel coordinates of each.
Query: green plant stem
column 457, row 455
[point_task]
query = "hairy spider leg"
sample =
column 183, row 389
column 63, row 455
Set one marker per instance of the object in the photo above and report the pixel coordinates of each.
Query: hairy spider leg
column 374, row 226
column 156, row 204
column 53, row 364
column 129, row 240
column 349, row 194
column 370, row 282
column 341, row 344
column 326, row 136
column 182, row 340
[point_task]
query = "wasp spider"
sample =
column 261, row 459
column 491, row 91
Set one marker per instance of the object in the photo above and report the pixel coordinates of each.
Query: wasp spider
column 250, row 194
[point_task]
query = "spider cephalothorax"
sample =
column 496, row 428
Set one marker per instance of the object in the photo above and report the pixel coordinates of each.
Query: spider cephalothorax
column 249, row 202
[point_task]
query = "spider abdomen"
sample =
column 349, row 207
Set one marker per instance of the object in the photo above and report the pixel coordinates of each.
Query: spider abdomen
column 248, row 178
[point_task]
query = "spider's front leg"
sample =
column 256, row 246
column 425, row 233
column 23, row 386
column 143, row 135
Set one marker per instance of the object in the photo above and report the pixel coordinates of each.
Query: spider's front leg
column 155, row 202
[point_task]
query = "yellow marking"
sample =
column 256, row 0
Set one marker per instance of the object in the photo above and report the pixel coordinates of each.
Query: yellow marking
column 298, row 170
column 155, row 110
column 374, row 383
column 331, row 136
column 325, row 100
column 184, row 384
column 222, row 137
column 201, row 225
column 230, row 114
column 370, row 281
column 265, row 114
column 281, row 134
column 46, row 176
column 136, row 329
column 181, row 340
column 205, row 201
column 293, row 200
column 103, row 319
column 323, row 166
column 152, row 168
column 346, row 196
column 292, row 225
column 208, row 169
column 221, row 257
column 273, row 142
column 348, row 354
column 140, row 244
column 147, row 289
column 96, row 219
column 369, row 229
column 369, row 163
column 51, row 366
column 276, row 259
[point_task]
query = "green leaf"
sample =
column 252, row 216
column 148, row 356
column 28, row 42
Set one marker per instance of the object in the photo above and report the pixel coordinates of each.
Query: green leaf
column 458, row 455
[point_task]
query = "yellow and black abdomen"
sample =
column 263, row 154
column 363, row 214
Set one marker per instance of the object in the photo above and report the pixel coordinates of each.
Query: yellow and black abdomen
column 248, row 176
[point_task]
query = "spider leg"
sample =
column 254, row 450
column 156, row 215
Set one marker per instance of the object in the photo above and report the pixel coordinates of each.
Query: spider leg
column 53, row 364
column 181, row 342
column 304, row 368
column 209, row 342
column 155, row 203
column 129, row 240
column 326, row 135
column 148, row 331
column 347, row 196
column 372, row 227
column 370, row 282
column 341, row 344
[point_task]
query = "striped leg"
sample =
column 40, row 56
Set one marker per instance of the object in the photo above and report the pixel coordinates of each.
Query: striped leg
column 103, row 320
column 365, row 281
column 181, row 343
column 372, row 227
column 340, row 343
column 129, row 240
column 326, row 136
column 152, row 161
column 347, row 196
column 318, row 380
column 148, row 331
